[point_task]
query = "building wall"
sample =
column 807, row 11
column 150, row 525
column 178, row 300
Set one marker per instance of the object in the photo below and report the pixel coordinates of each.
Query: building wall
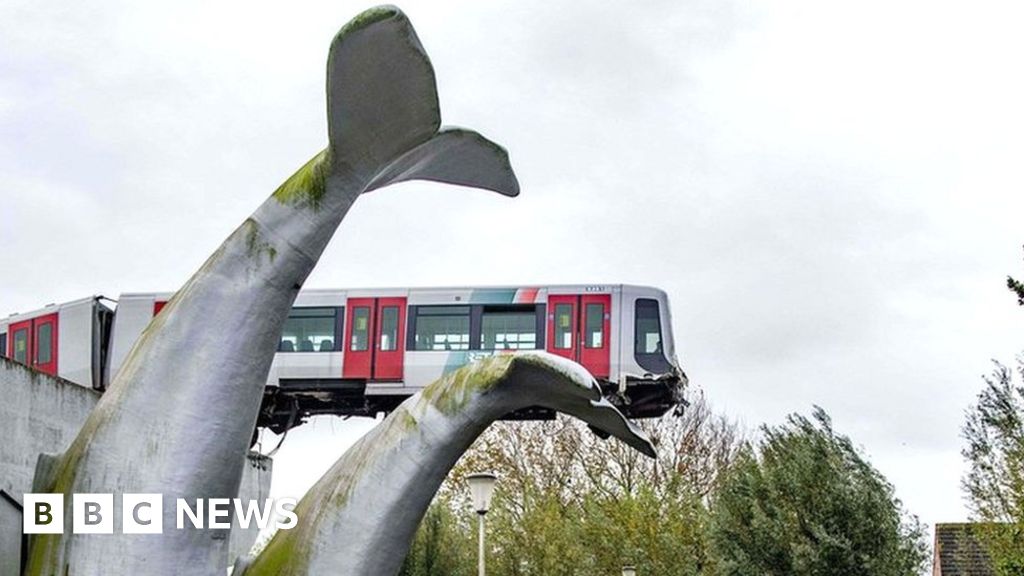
column 10, row 536
column 42, row 414
column 38, row 413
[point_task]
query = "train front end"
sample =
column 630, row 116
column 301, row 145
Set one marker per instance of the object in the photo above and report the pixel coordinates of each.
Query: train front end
column 649, row 380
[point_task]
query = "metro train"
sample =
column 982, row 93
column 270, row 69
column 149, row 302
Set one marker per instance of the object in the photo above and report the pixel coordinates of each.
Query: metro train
column 363, row 351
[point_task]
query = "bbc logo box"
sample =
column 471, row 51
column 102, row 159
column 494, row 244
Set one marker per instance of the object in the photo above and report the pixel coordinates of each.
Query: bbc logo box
column 44, row 514
column 93, row 514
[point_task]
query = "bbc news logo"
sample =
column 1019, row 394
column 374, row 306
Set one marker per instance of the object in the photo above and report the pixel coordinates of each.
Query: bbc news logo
column 143, row 513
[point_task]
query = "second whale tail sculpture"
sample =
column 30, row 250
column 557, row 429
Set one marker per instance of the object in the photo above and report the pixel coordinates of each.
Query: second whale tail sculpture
column 360, row 518
column 178, row 416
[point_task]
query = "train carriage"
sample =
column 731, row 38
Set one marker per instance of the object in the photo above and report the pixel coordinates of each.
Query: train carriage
column 67, row 340
column 363, row 351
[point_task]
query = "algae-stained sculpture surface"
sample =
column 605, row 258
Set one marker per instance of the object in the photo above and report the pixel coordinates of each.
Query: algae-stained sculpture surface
column 177, row 417
column 360, row 518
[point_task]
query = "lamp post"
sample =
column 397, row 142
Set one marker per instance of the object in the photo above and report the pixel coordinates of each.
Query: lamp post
column 481, row 487
column 629, row 570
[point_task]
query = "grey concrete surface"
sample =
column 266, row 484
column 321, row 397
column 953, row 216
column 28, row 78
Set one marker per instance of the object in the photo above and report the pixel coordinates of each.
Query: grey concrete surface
column 38, row 413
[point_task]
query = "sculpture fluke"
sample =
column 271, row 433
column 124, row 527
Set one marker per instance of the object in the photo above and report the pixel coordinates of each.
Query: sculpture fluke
column 360, row 517
column 377, row 64
column 177, row 417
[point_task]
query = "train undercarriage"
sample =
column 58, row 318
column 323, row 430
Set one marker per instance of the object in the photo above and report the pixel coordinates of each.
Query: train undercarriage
column 294, row 401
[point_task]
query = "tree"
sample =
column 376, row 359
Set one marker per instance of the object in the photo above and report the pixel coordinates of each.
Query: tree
column 440, row 546
column 806, row 502
column 570, row 503
column 994, row 483
column 1017, row 288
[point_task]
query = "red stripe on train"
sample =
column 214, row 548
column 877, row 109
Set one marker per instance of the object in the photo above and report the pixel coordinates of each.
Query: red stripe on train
column 525, row 296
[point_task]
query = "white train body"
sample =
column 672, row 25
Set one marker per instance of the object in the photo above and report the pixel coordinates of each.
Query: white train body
column 362, row 351
column 66, row 340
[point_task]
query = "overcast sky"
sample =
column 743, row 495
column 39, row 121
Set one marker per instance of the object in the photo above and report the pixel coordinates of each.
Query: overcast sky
column 830, row 192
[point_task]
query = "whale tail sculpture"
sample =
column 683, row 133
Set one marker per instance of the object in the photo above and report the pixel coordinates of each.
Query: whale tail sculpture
column 361, row 516
column 177, row 417
column 376, row 65
column 384, row 120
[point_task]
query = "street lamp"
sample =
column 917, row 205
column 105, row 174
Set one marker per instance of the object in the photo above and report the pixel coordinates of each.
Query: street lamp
column 629, row 570
column 481, row 486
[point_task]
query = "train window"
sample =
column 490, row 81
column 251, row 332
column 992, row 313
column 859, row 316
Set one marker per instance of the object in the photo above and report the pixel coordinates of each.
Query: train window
column 563, row 326
column 44, row 343
column 21, row 346
column 360, row 341
column 310, row 330
column 389, row 328
column 509, row 329
column 648, row 327
column 3, row 344
column 595, row 326
column 442, row 328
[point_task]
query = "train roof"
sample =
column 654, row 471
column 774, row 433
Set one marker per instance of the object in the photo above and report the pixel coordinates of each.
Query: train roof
column 594, row 287
column 589, row 288
column 48, row 309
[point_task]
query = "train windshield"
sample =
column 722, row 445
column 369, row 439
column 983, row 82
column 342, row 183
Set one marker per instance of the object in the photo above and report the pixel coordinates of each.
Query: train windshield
column 647, row 343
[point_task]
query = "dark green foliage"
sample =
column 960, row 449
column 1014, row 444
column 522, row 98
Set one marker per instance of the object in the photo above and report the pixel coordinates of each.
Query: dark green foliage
column 994, row 432
column 440, row 546
column 1016, row 287
column 806, row 503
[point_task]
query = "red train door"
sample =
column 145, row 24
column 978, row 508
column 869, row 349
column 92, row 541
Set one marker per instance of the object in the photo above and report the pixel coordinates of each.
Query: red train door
column 374, row 337
column 595, row 328
column 44, row 344
column 21, row 342
column 34, row 343
column 358, row 329
column 578, row 329
column 561, row 337
column 388, row 363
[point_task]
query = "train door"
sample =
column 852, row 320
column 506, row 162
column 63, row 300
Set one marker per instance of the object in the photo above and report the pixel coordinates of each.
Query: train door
column 390, row 337
column 44, row 344
column 595, row 329
column 578, row 329
column 561, row 336
column 34, row 343
column 21, row 341
column 374, row 333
